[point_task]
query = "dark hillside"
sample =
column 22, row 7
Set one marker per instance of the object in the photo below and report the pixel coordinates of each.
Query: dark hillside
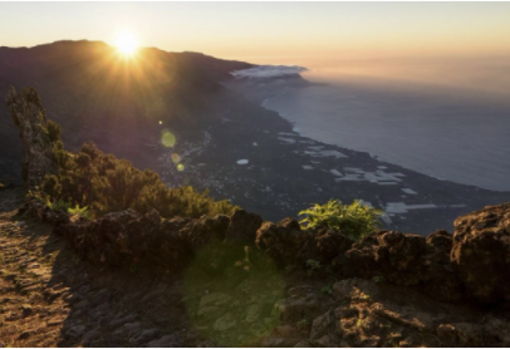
column 98, row 96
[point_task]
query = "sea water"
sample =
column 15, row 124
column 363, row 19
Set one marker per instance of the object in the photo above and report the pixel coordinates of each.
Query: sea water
column 442, row 132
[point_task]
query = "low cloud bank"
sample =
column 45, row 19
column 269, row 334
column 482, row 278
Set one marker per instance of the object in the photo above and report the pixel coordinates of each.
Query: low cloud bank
column 269, row 71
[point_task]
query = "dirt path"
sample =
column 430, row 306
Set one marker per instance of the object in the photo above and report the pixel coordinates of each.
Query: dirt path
column 49, row 297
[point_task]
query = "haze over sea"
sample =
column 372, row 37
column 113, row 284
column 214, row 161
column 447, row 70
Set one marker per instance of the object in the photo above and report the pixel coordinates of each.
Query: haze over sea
column 453, row 125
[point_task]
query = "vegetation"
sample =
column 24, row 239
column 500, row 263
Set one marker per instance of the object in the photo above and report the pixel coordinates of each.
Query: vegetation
column 95, row 183
column 81, row 211
column 312, row 266
column 355, row 220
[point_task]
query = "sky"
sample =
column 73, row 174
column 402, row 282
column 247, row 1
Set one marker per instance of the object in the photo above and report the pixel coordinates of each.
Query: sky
column 462, row 44
column 272, row 32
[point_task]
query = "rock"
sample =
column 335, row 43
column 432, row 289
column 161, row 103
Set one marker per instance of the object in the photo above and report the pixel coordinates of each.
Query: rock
column 286, row 331
column 481, row 250
column 215, row 298
column 167, row 341
column 123, row 320
column 205, row 230
column 91, row 335
column 469, row 335
column 144, row 336
column 286, row 243
column 253, row 312
column 359, row 261
column 225, row 322
column 303, row 344
column 325, row 341
column 404, row 259
column 300, row 291
column 273, row 342
column 332, row 243
column 294, row 310
column 322, row 325
column 76, row 332
column 132, row 327
column 158, row 291
column 447, row 334
column 120, row 238
column 399, row 256
column 29, row 116
column 25, row 335
column 27, row 310
column 440, row 240
column 208, row 311
column 243, row 227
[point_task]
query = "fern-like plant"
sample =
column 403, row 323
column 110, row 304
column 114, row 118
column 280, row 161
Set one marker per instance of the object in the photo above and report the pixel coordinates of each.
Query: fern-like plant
column 82, row 211
column 59, row 205
column 355, row 220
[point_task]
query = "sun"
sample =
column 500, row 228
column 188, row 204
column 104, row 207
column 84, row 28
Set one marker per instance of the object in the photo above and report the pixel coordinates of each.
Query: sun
column 127, row 44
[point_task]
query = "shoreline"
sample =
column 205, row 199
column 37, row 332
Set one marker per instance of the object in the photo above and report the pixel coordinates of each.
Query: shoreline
column 287, row 172
column 379, row 157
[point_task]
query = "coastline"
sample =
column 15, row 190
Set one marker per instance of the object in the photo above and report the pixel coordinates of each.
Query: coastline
column 447, row 150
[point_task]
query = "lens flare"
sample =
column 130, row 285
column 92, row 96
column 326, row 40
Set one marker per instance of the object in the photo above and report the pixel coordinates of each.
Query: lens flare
column 168, row 139
column 233, row 293
column 176, row 158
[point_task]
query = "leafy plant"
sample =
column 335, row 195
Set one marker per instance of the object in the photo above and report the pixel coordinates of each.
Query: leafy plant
column 59, row 205
column 312, row 265
column 82, row 211
column 355, row 220
column 327, row 289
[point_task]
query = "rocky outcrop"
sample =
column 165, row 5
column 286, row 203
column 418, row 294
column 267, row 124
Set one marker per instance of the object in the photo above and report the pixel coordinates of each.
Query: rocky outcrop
column 243, row 226
column 473, row 264
column 126, row 239
column 288, row 244
column 481, row 250
column 366, row 313
column 28, row 115
column 404, row 259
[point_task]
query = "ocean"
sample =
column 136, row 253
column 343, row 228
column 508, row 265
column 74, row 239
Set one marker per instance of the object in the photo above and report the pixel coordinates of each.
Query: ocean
column 439, row 131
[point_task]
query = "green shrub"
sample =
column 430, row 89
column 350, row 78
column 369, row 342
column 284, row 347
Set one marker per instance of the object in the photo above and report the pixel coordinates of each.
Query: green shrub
column 54, row 130
column 355, row 220
column 100, row 183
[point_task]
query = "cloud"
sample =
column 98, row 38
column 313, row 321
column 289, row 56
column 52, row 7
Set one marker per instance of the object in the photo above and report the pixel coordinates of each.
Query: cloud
column 269, row 71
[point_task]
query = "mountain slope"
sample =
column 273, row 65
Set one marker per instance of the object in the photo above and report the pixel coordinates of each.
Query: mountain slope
column 100, row 96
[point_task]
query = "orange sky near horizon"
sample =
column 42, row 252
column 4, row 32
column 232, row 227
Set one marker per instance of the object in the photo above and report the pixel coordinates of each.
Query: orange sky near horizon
column 292, row 32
